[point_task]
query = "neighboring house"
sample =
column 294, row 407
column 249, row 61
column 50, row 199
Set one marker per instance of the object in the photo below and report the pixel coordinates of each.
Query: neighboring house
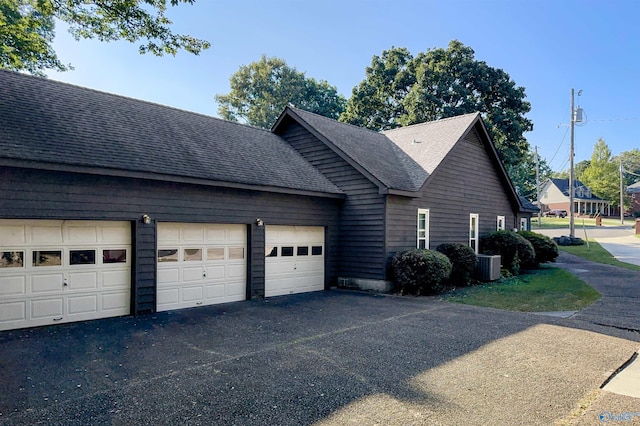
column 555, row 195
column 113, row 206
column 634, row 194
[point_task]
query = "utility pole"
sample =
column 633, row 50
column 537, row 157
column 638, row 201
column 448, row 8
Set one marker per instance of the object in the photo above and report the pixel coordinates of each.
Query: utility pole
column 571, row 176
column 538, row 189
column 621, row 195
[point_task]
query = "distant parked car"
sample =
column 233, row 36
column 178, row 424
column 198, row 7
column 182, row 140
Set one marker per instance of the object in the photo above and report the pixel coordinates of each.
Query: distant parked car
column 555, row 213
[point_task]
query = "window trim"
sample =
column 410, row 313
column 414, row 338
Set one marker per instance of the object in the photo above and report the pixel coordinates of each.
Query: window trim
column 424, row 212
column 474, row 238
column 504, row 223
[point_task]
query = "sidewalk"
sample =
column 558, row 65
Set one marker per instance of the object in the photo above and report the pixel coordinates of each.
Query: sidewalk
column 619, row 306
column 625, row 249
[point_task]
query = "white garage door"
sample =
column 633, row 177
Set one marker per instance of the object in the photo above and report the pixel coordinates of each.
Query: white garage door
column 200, row 264
column 54, row 271
column 294, row 259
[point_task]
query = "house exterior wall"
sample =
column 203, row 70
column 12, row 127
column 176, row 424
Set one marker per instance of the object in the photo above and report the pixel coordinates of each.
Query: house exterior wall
column 361, row 230
column 39, row 194
column 466, row 182
column 550, row 194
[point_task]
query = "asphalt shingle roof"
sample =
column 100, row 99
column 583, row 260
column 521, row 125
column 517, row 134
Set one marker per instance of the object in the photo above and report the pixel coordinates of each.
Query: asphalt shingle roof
column 373, row 151
column 51, row 122
column 429, row 143
column 563, row 186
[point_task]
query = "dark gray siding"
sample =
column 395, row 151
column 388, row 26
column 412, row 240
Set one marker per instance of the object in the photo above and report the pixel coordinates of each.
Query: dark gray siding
column 362, row 215
column 35, row 194
column 466, row 182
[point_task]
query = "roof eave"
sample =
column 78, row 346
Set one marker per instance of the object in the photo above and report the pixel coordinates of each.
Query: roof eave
column 24, row 164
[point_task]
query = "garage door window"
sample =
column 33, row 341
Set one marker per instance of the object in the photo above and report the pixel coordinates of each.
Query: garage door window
column 316, row 251
column 168, row 255
column 215, row 253
column 12, row 259
column 287, row 251
column 303, row 251
column 114, row 256
column 47, row 258
column 192, row 254
column 82, row 257
column 271, row 252
column 236, row 253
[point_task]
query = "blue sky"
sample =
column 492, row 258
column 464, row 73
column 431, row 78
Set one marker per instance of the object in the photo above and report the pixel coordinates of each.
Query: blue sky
column 547, row 46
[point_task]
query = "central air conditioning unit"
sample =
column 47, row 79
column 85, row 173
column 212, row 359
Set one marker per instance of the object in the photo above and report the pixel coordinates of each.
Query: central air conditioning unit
column 488, row 268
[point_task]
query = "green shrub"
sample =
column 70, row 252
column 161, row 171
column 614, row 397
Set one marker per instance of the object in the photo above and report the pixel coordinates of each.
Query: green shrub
column 463, row 261
column 546, row 249
column 420, row 272
column 515, row 250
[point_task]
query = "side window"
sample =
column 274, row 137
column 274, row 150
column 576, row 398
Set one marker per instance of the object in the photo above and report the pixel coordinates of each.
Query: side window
column 474, row 226
column 423, row 229
column 500, row 223
column 524, row 224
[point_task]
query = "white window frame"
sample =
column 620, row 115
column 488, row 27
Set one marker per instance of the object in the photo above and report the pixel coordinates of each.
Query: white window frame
column 500, row 223
column 474, row 231
column 524, row 224
column 422, row 234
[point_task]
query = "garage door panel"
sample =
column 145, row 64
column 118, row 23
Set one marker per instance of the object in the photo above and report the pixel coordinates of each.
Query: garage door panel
column 168, row 297
column 46, row 308
column 83, row 304
column 46, row 235
column 13, row 311
column 79, row 281
column 13, row 286
column 168, row 276
column 211, row 259
column 192, row 294
column 116, row 301
column 214, row 291
column 215, row 272
column 47, row 283
column 190, row 274
column 236, row 271
column 116, row 279
column 81, row 235
column 64, row 270
column 215, row 234
column 114, row 234
column 193, row 233
column 13, row 234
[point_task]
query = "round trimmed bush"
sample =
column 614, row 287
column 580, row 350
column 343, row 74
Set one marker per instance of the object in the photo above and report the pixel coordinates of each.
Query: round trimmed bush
column 515, row 250
column 546, row 249
column 420, row 272
column 463, row 261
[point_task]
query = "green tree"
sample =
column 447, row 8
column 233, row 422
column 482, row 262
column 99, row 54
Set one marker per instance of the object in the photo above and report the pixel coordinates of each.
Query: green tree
column 262, row 89
column 602, row 175
column 579, row 169
column 400, row 90
column 27, row 29
column 523, row 175
column 630, row 165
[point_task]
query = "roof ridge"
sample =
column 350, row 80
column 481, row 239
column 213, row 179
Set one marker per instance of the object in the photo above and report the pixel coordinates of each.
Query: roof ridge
column 129, row 98
column 333, row 119
column 432, row 122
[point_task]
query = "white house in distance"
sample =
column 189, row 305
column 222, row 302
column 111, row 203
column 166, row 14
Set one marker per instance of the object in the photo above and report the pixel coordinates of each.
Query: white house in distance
column 554, row 194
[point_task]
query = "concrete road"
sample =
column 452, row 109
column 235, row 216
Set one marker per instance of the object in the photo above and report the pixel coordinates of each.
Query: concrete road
column 620, row 241
column 325, row 358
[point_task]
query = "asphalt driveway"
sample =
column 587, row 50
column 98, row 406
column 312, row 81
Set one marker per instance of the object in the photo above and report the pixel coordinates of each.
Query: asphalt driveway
column 323, row 358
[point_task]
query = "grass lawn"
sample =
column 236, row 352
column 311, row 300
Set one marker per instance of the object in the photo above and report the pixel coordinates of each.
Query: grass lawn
column 596, row 253
column 556, row 222
column 541, row 290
